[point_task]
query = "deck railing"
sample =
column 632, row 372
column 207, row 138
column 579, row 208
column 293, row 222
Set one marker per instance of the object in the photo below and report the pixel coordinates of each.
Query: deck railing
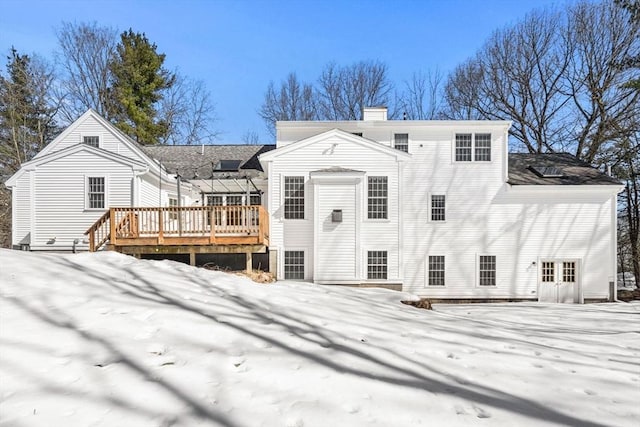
column 195, row 225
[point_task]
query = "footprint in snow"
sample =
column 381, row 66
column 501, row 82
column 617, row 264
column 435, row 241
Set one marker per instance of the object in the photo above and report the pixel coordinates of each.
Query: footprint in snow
column 590, row 392
column 460, row 410
column 537, row 365
column 537, row 353
column 452, row 356
column 481, row 413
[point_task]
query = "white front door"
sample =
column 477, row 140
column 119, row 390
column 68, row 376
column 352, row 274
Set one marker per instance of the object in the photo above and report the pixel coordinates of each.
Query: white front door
column 559, row 281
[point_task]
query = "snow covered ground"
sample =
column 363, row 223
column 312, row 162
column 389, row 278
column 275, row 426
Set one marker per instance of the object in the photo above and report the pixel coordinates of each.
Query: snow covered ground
column 107, row 340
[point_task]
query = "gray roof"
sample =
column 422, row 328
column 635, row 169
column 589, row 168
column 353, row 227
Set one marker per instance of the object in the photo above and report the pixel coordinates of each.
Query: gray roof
column 573, row 170
column 198, row 161
column 336, row 169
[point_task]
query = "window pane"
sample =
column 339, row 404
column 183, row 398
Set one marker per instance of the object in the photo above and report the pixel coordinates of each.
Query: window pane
column 437, row 208
column 96, row 192
column 294, row 265
column 234, row 200
column 463, row 147
column 93, row 141
column 255, row 199
column 487, row 270
column 294, row 197
column 376, row 264
column 569, row 272
column 377, row 197
column 401, row 142
column 548, row 272
column 436, row 270
column 483, row 147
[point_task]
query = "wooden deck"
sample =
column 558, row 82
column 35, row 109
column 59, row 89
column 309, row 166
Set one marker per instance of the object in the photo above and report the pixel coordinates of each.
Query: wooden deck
column 192, row 229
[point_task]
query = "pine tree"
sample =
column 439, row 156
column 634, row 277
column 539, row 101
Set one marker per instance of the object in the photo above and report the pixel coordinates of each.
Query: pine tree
column 26, row 110
column 138, row 84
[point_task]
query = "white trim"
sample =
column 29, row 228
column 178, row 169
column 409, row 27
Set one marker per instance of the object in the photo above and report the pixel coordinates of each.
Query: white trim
column 446, row 208
column 305, row 250
column 426, row 272
column 365, row 264
column 473, row 160
column 86, row 191
column 477, row 284
column 346, row 136
column 99, row 135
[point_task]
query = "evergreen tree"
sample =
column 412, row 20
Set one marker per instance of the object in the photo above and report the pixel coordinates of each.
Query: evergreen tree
column 138, row 84
column 26, row 110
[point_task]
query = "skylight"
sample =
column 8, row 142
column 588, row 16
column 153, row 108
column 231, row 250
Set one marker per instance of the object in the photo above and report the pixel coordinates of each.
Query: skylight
column 228, row 165
column 547, row 171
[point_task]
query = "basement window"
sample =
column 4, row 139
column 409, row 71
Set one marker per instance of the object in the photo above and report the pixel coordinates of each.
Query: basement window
column 376, row 265
column 294, row 265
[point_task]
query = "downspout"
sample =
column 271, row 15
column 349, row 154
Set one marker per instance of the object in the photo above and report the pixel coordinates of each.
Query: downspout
column 614, row 247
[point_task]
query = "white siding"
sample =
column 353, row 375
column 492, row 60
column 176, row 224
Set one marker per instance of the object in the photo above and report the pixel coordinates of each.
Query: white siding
column 149, row 193
column 60, row 197
column 22, row 203
column 324, row 154
column 90, row 126
column 484, row 216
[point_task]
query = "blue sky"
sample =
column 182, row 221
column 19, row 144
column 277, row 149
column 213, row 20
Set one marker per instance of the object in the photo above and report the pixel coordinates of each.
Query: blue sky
column 238, row 47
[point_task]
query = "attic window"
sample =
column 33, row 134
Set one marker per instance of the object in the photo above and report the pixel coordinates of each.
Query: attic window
column 93, row 141
column 547, row 171
column 228, row 165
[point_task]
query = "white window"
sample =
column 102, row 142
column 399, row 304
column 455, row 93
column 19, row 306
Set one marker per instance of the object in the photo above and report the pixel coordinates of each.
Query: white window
column 482, row 147
column 92, row 140
column 294, row 265
column 377, row 197
column 401, row 142
column 463, row 147
column 473, row 147
column 173, row 204
column 548, row 271
column 96, row 192
column 436, row 270
column 376, row 265
column 438, row 207
column 294, row 197
column 487, row 270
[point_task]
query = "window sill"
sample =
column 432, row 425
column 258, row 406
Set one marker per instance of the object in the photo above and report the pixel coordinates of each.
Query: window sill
column 377, row 220
column 95, row 209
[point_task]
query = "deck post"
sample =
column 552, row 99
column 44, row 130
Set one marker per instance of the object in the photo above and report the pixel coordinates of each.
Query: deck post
column 192, row 258
column 112, row 226
column 249, row 262
column 160, row 227
column 212, row 223
column 273, row 263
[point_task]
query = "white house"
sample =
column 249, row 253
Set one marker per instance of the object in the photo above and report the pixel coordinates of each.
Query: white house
column 437, row 208
column 440, row 209
column 92, row 166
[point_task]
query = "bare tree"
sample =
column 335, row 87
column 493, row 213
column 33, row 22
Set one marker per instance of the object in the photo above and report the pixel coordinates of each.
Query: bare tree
column 293, row 100
column 86, row 50
column 251, row 138
column 188, row 109
column 421, row 99
column 518, row 75
column 604, row 110
column 345, row 91
column 462, row 92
